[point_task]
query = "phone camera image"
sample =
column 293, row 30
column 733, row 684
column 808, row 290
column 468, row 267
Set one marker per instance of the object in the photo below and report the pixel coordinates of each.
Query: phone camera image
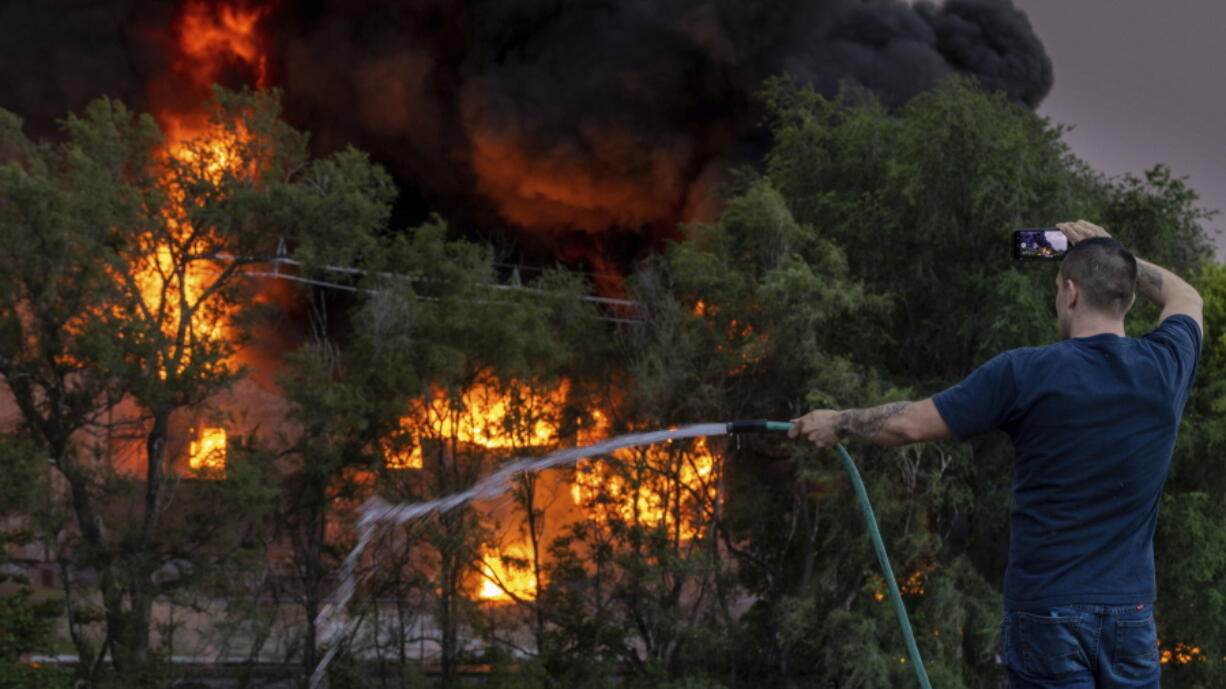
column 1039, row 245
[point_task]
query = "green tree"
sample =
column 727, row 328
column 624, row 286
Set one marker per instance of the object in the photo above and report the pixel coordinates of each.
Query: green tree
column 26, row 623
column 342, row 391
column 1189, row 545
column 61, row 205
column 921, row 200
column 474, row 342
column 435, row 358
column 125, row 260
column 768, row 340
column 867, row 263
column 741, row 319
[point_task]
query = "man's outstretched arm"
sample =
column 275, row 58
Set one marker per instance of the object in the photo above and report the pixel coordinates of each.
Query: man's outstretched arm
column 896, row 423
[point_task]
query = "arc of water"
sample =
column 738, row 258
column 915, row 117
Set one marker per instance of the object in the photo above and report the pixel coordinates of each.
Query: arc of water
column 378, row 514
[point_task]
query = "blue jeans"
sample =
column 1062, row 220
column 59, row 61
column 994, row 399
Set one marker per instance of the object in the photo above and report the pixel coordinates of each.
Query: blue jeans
column 1081, row 647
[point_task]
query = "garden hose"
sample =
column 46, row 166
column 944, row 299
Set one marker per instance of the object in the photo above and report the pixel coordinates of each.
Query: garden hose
column 761, row 426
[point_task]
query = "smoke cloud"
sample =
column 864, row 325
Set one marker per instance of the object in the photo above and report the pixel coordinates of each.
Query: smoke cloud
column 590, row 128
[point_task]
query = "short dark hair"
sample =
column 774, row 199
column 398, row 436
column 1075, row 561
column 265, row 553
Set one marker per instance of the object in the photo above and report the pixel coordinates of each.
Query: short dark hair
column 1105, row 271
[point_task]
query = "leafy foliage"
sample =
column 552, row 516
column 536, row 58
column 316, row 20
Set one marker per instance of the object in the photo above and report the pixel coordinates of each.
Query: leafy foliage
column 866, row 262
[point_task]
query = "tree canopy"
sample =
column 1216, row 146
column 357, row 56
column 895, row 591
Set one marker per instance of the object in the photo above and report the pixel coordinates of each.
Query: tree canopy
column 866, row 260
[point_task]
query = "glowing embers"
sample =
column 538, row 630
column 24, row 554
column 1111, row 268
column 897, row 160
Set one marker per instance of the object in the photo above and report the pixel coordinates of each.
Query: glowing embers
column 1182, row 654
column 749, row 345
column 207, row 453
column 507, row 575
column 914, row 585
column 672, row 485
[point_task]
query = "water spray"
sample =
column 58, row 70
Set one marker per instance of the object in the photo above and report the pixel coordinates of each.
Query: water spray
column 377, row 514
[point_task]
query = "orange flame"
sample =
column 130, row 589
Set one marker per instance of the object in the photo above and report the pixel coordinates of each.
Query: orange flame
column 489, row 414
column 213, row 40
column 504, row 578
column 752, row 344
column 209, row 37
column 674, row 487
column 566, row 188
column 664, row 487
column 210, row 34
column 170, row 273
column 208, row 452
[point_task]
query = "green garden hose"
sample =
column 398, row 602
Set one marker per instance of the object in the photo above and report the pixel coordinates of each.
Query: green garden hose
column 762, row 425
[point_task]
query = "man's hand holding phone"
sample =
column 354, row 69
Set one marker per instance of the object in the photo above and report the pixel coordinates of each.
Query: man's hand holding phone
column 1079, row 230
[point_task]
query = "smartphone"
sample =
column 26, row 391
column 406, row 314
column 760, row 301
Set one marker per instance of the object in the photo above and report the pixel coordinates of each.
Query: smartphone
column 1045, row 244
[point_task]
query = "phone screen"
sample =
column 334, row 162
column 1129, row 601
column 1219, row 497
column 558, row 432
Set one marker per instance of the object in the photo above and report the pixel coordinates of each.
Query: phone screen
column 1040, row 245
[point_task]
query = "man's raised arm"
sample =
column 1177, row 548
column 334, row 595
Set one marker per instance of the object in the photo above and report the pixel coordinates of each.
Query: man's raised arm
column 1170, row 292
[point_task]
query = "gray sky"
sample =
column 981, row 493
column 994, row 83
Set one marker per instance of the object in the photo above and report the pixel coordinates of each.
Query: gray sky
column 1141, row 82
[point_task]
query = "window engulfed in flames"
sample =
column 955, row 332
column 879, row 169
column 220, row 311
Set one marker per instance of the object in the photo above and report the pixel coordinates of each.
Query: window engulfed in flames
column 659, row 485
column 207, row 453
column 490, row 415
column 670, row 486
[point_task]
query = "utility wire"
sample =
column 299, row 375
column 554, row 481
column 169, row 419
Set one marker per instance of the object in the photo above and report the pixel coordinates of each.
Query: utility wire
column 346, row 270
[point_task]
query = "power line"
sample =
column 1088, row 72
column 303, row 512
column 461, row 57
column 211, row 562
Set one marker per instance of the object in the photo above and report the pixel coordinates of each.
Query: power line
column 347, row 270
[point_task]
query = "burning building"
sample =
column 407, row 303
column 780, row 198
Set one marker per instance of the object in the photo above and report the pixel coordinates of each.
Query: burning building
column 584, row 132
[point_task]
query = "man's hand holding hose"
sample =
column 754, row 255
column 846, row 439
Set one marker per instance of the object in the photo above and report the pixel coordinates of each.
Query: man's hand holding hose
column 896, row 423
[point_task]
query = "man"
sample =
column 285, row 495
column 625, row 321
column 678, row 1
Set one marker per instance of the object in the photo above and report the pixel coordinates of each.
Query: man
column 1093, row 421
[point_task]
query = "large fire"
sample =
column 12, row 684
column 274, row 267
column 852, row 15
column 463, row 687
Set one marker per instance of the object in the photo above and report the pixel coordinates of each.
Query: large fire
column 172, row 270
column 209, row 38
column 490, row 414
column 212, row 40
column 668, row 486
column 211, row 33
column 672, row 486
column 659, row 485
column 173, row 277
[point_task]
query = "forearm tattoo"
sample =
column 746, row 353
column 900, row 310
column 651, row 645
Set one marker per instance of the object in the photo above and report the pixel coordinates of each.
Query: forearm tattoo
column 1149, row 280
column 866, row 423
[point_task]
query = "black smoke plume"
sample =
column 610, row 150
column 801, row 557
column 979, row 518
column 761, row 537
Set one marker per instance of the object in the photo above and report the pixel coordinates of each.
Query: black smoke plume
column 590, row 127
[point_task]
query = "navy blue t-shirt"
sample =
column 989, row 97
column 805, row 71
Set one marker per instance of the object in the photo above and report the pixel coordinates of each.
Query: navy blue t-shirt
column 1093, row 421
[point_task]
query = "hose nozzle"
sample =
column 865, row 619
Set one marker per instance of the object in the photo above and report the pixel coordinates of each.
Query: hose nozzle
column 757, row 426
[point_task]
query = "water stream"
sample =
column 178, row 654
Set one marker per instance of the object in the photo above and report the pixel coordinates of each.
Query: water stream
column 377, row 514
